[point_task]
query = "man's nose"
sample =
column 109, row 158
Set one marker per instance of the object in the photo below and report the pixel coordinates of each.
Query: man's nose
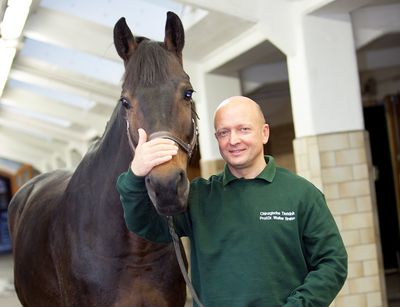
column 234, row 137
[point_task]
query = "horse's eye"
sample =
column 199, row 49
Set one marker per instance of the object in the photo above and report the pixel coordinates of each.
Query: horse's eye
column 125, row 102
column 188, row 95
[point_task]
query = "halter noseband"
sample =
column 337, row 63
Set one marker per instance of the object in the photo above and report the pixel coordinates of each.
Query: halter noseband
column 187, row 147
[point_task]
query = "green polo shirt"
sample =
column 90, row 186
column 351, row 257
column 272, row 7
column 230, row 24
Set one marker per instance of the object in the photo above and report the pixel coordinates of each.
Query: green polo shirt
column 267, row 241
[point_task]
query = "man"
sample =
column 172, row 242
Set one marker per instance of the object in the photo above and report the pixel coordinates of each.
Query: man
column 260, row 235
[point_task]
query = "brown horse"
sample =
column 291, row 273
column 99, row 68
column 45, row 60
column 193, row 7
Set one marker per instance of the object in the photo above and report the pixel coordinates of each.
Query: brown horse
column 70, row 243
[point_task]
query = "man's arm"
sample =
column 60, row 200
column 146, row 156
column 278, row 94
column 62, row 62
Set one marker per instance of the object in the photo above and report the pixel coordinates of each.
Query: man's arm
column 326, row 257
column 139, row 213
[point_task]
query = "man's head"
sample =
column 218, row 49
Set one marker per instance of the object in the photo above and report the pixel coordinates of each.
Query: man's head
column 241, row 133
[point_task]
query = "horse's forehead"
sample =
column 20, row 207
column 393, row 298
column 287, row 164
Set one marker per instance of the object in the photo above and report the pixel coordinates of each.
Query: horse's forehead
column 168, row 86
column 168, row 75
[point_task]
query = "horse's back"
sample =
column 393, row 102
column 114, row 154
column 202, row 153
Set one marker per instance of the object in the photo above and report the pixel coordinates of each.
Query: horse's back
column 31, row 213
column 38, row 195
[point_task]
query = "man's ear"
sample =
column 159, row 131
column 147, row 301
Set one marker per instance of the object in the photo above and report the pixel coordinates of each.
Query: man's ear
column 265, row 133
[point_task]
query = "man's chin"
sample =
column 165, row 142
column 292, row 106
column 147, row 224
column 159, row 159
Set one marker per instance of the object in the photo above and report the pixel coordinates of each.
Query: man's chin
column 237, row 162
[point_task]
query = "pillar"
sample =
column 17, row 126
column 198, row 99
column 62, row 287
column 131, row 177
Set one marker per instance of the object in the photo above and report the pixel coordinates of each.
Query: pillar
column 332, row 147
column 211, row 89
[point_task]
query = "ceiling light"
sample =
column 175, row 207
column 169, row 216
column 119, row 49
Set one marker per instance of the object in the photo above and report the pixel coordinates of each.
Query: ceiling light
column 6, row 58
column 11, row 28
column 14, row 18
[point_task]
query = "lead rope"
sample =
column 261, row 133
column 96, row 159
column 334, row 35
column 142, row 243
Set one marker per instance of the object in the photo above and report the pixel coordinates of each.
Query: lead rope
column 175, row 239
column 177, row 245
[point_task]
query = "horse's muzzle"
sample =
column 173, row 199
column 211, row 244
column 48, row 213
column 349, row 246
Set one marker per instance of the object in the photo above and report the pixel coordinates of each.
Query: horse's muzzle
column 168, row 191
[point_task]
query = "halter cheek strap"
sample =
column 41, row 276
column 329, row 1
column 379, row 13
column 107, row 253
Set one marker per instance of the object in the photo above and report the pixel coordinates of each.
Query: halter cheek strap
column 131, row 145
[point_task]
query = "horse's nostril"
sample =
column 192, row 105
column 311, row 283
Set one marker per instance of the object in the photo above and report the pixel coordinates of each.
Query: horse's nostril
column 148, row 181
column 182, row 177
column 172, row 182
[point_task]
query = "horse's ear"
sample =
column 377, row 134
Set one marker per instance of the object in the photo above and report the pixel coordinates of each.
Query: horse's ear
column 174, row 35
column 124, row 40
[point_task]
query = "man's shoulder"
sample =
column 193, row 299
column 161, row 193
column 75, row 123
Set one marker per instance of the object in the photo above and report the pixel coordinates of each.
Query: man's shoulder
column 199, row 181
column 206, row 183
column 297, row 182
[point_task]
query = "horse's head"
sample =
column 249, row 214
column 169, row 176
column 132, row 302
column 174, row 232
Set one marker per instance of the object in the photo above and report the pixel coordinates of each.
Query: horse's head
column 157, row 96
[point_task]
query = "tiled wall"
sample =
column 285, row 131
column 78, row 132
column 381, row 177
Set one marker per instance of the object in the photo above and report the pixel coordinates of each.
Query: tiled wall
column 340, row 165
column 211, row 167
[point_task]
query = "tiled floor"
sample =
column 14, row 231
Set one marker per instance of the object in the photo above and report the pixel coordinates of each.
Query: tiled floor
column 393, row 289
column 8, row 297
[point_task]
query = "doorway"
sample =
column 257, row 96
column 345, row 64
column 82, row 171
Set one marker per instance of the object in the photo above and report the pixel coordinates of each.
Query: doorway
column 382, row 123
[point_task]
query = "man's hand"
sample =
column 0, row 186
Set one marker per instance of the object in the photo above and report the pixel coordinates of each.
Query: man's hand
column 152, row 153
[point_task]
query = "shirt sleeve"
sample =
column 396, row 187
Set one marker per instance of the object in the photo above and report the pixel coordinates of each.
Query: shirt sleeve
column 139, row 213
column 326, row 258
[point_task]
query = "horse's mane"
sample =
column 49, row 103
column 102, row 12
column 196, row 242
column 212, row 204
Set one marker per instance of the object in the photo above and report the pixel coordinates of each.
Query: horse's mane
column 148, row 65
column 111, row 124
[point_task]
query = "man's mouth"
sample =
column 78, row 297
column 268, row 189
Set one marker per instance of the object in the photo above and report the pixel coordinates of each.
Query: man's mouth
column 236, row 152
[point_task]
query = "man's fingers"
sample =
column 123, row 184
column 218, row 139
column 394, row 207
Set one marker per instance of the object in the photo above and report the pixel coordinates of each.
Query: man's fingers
column 151, row 153
column 142, row 137
column 161, row 147
column 158, row 145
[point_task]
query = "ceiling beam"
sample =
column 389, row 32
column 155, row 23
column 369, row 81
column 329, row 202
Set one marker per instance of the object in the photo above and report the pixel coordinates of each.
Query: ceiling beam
column 22, row 147
column 29, row 102
column 42, row 74
column 248, row 10
column 71, row 135
column 334, row 7
column 72, row 32
column 47, row 145
column 370, row 23
column 233, row 48
column 220, row 29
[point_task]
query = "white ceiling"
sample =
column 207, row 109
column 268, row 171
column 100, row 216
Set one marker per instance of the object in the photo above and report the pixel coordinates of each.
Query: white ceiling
column 65, row 79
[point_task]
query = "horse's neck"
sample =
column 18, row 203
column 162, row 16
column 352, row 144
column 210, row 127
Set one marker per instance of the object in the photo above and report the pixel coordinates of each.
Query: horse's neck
column 100, row 168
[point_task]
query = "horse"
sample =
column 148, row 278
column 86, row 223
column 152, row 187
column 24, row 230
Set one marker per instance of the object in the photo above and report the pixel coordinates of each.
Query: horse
column 70, row 244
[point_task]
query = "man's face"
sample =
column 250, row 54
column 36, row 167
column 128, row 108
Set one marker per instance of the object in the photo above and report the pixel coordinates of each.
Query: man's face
column 241, row 134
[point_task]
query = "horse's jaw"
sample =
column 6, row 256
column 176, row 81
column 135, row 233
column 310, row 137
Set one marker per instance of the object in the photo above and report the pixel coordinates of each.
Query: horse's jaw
column 169, row 198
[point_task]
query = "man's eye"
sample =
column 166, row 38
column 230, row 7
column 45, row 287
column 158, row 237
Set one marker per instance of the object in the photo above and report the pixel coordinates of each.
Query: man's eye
column 222, row 133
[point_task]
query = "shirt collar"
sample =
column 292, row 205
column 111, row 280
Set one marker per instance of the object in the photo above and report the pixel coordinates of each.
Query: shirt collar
column 267, row 174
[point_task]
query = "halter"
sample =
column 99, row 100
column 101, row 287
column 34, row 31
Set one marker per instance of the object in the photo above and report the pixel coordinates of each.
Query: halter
column 186, row 147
